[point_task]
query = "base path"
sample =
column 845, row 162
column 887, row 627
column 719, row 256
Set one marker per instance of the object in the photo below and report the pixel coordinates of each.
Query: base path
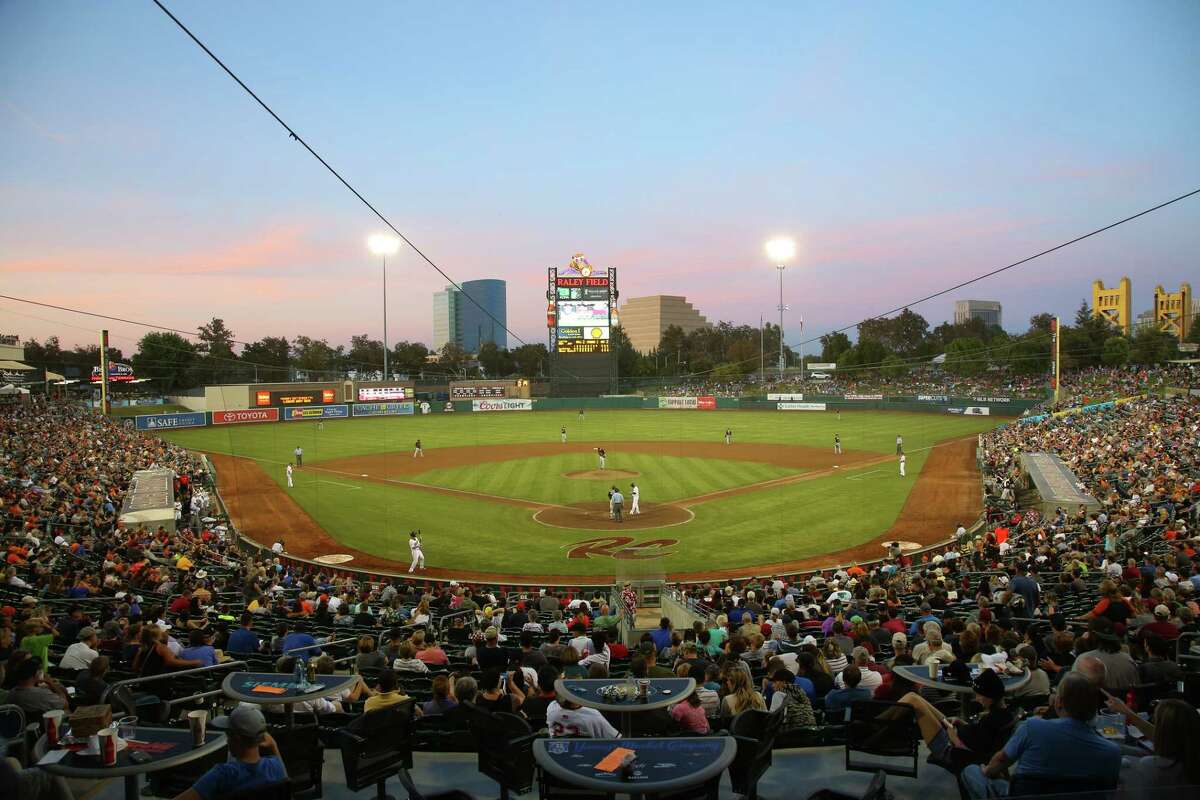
column 946, row 492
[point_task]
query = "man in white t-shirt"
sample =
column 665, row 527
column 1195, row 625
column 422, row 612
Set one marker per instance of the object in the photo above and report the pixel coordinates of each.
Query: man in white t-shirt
column 565, row 718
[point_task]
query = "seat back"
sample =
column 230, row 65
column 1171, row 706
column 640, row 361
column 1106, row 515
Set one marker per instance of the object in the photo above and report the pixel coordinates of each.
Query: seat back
column 504, row 744
column 377, row 745
column 281, row 790
column 887, row 730
column 301, row 750
column 1039, row 785
column 755, row 732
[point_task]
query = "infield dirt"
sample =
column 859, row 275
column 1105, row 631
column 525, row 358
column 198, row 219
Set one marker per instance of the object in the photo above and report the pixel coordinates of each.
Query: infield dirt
column 946, row 492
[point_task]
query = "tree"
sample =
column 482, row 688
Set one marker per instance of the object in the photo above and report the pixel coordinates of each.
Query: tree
column 313, row 356
column 865, row 357
column 833, row 345
column 408, row 358
column 1041, row 323
column 268, row 359
column 1029, row 355
column 1116, row 351
column 727, row 372
column 1193, row 334
column 893, row 367
column 531, row 359
column 495, row 363
column 452, row 358
column 1152, row 346
column 366, row 355
column 217, row 362
column 965, row 357
column 627, row 357
column 168, row 358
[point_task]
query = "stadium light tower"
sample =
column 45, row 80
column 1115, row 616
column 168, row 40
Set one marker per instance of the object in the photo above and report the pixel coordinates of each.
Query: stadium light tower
column 781, row 251
column 383, row 245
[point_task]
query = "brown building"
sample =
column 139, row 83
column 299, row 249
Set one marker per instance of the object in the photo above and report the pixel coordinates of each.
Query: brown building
column 644, row 319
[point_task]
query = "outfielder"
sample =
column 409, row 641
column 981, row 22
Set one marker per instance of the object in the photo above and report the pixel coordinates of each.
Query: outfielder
column 601, row 455
column 635, row 495
column 837, row 445
column 289, row 476
column 899, row 445
column 563, row 434
column 414, row 547
column 728, row 436
column 418, row 450
column 903, row 458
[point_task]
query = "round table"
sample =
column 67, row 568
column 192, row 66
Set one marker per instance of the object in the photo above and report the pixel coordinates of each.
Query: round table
column 180, row 752
column 661, row 693
column 283, row 689
column 660, row 765
column 919, row 674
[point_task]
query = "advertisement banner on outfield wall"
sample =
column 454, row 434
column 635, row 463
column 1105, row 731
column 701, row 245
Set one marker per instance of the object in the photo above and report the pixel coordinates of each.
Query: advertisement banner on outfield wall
column 316, row 412
column 382, row 409
column 863, row 396
column 246, row 415
column 154, row 422
column 678, row 402
column 787, row 398
column 933, row 398
column 800, row 406
column 509, row 404
column 706, row 403
column 972, row 411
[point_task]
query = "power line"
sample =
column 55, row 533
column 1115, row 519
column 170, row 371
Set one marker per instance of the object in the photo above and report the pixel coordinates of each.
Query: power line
column 292, row 133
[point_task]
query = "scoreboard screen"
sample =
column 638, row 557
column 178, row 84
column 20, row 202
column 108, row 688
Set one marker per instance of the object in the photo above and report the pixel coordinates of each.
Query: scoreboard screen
column 580, row 305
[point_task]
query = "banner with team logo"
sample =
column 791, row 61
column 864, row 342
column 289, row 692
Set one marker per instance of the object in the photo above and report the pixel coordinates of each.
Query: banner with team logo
column 504, row 404
column 154, row 422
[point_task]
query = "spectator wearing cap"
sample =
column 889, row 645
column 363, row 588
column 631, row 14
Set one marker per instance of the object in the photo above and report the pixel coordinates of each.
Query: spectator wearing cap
column 80, row 654
column 1161, row 626
column 244, row 639
column 954, row 743
column 1062, row 749
column 900, row 652
column 933, row 646
column 491, row 655
column 253, row 759
column 200, row 648
column 918, row 624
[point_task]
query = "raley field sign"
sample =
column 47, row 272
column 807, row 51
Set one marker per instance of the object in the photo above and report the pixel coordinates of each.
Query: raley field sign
column 622, row 548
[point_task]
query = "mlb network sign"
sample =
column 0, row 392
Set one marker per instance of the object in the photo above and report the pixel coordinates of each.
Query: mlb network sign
column 382, row 409
column 511, row 404
column 315, row 412
column 154, row 422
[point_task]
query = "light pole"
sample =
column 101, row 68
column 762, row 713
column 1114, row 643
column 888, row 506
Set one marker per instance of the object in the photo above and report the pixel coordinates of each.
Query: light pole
column 781, row 251
column 383, row 245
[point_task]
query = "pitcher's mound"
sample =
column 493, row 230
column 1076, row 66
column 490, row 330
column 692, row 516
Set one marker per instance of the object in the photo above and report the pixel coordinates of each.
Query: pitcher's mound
column 594, row 517
column 601, row 474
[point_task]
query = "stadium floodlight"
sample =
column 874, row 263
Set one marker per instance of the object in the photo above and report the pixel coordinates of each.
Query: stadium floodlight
column 383, row 245
column 781, row 250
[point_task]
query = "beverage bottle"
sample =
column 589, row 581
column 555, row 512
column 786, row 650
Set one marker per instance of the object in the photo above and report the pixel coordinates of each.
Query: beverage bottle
column 299, row 673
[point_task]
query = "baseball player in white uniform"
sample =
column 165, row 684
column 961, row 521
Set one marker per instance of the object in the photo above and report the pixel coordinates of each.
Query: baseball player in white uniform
column 414, row 547
column 289, row 476
column 635, row 495
column 903, row 458
column 563, row 434
column 601, row 455
column 837, row 445
column 418, row 450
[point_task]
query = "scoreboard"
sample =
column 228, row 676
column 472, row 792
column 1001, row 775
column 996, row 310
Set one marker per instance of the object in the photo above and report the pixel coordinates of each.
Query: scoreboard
column 581, row 307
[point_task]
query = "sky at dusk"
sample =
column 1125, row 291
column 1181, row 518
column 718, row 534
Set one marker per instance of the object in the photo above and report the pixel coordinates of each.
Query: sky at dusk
column 906, row 146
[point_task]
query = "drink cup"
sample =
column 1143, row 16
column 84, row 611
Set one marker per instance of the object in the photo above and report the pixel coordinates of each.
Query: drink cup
column 108, row 746
column 197, row 721
column 127, row 727
column 933, row 668
column 643, row 688
column 52, row 724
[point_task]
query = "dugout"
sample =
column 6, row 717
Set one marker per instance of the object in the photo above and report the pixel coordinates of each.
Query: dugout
column 150, row 500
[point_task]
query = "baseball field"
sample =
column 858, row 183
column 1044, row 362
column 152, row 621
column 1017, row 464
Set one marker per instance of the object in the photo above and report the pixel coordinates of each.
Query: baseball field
column 500, row 495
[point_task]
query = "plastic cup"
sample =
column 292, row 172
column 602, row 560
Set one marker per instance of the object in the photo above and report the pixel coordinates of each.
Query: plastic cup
column 197, row 721
column 52, row 725
column 127, row 727
column 108, row 746
column 933, row 668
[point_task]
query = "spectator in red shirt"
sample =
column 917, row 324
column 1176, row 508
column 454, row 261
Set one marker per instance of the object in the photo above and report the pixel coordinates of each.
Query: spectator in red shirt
column 182, row 603
column 1160, row 627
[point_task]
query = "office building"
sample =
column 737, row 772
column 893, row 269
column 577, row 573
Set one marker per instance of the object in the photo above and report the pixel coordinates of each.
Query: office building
column 457, row 319
column 986, row 310
column 644, row 319
column 1115, row 304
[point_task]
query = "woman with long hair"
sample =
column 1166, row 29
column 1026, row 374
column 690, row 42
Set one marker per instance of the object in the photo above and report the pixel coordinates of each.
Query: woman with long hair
column 739, row 694
column 1176, row 736
column 835, row 660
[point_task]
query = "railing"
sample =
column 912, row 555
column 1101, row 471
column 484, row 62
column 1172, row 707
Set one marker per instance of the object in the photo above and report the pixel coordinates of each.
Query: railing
column 320, row 644
column 129, row 682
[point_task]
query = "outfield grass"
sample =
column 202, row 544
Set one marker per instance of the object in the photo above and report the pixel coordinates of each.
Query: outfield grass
column 805, row 518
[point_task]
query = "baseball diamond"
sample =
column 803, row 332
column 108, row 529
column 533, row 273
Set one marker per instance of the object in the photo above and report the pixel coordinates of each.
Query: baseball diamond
column 505, row 485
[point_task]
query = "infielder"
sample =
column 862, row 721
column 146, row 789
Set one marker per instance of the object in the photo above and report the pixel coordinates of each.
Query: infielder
column 899, row 445
column 320, row 424
column 635, row 493
column 414, row 547
column 299, row 454
column 837, row 445
column 581, row 415
column 563, row 434
column 289, row 476
column 903, row 458
column 418, row 450
column 601, row 455
column 728, row 436
column 612, row 514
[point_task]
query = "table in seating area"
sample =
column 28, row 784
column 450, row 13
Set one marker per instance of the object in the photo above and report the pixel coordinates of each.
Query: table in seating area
column 919, row 674
column 167, row 748
column 660, row 764
column 276, row 688
column 660, row 693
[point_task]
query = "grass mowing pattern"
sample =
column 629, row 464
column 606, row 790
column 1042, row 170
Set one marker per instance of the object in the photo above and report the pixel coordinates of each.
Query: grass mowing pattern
column 793, row 521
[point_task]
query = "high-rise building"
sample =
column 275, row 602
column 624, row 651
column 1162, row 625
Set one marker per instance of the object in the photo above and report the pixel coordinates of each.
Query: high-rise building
column 457, row 319
column 645, row 319
column 986, row 310
column 1115, row 304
